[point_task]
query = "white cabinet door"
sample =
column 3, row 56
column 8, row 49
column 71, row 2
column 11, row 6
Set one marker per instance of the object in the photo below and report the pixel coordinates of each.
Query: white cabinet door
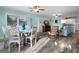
column 77, row 24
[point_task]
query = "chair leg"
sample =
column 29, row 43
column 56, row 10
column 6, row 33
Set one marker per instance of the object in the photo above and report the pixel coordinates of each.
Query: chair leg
column 9, row 48
column 31, row 42
column 19, row 47
column 35, row 40
column 26, row 40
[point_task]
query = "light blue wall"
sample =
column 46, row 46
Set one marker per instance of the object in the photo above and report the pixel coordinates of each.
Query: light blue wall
column 0, row 21
column 33, row 17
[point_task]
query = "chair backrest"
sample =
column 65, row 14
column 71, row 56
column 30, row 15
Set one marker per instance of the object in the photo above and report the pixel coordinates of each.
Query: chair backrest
column 13, row 32
column 34, row 31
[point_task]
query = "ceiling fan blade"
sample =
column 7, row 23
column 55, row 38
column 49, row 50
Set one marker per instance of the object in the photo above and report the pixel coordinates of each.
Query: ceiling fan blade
column 31, row 10
column 59, row 16
column 30, row 7
column 37, row 11
column 36, row 6
column 42, row 9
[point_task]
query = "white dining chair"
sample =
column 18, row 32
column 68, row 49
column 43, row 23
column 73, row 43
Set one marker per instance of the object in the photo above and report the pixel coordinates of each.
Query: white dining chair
column 14, row 38
column 32, row 36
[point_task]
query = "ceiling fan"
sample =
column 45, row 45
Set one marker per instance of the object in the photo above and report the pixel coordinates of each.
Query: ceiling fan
column 36, row 9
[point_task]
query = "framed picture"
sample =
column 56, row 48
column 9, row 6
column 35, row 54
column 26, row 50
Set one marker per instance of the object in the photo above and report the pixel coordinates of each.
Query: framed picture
column 11, row 20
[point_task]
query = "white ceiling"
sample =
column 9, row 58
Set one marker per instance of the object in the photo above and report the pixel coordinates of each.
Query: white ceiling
column 49, row 10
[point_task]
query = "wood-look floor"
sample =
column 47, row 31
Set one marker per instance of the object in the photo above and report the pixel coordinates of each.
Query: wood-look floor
column 54, row 46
